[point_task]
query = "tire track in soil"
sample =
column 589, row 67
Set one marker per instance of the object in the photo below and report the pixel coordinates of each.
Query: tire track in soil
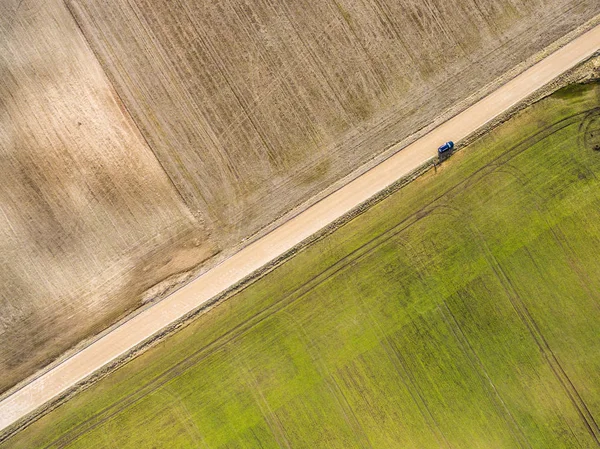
column 318, row 66
column 583, row 132
column 394, row 118
column 270, row 416
column 409, row 382
column 527, row 319
column 486, row 380
column 352, row 257
column 331, row 382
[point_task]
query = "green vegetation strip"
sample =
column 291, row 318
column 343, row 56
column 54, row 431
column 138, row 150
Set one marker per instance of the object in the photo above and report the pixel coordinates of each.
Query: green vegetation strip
column 462, row 311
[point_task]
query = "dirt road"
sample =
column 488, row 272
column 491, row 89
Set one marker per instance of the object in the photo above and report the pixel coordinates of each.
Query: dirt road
column 254, row 256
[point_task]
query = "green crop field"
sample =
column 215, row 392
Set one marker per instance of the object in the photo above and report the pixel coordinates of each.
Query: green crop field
column 461, row 312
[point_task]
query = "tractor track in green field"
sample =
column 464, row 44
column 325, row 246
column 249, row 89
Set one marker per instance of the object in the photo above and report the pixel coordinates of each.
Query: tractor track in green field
column 584, row 130
column 410, row 382
column 363, row 250
column 559, row 372
column 572, row 392
column 478, row 367
column 532, row 327
column 537, row 335
column 527, row 319
column 331, row 384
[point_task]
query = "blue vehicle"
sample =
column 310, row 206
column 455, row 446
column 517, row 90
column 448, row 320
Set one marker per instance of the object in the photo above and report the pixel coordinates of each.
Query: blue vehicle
column 446, row 147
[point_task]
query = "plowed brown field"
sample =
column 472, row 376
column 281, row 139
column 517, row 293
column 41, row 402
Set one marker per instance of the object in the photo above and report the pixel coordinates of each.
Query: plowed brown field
column 88, row 219
column 252, row 106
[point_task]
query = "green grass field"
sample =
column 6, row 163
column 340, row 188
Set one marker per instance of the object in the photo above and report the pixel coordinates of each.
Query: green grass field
column 461, row 312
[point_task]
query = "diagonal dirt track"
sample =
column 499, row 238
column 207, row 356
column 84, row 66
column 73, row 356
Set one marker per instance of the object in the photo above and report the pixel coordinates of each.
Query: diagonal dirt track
column 118, row 342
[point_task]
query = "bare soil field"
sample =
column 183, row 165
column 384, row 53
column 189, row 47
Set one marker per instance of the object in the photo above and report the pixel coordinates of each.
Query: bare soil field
column 88, row 219
column 254, row 106
column 139, row 138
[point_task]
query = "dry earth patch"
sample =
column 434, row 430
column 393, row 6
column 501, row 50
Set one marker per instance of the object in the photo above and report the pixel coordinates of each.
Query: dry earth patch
column 88, row 218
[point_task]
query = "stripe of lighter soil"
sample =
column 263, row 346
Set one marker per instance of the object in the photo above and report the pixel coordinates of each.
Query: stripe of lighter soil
column 251, row 258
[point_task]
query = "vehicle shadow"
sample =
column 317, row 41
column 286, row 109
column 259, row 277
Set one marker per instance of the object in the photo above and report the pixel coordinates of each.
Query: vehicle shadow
column 445, row 155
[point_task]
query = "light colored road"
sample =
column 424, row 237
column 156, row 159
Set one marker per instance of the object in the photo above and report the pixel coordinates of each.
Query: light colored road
column 261, row 252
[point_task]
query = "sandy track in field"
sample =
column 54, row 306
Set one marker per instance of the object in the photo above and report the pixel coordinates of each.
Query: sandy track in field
column 289, row 234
